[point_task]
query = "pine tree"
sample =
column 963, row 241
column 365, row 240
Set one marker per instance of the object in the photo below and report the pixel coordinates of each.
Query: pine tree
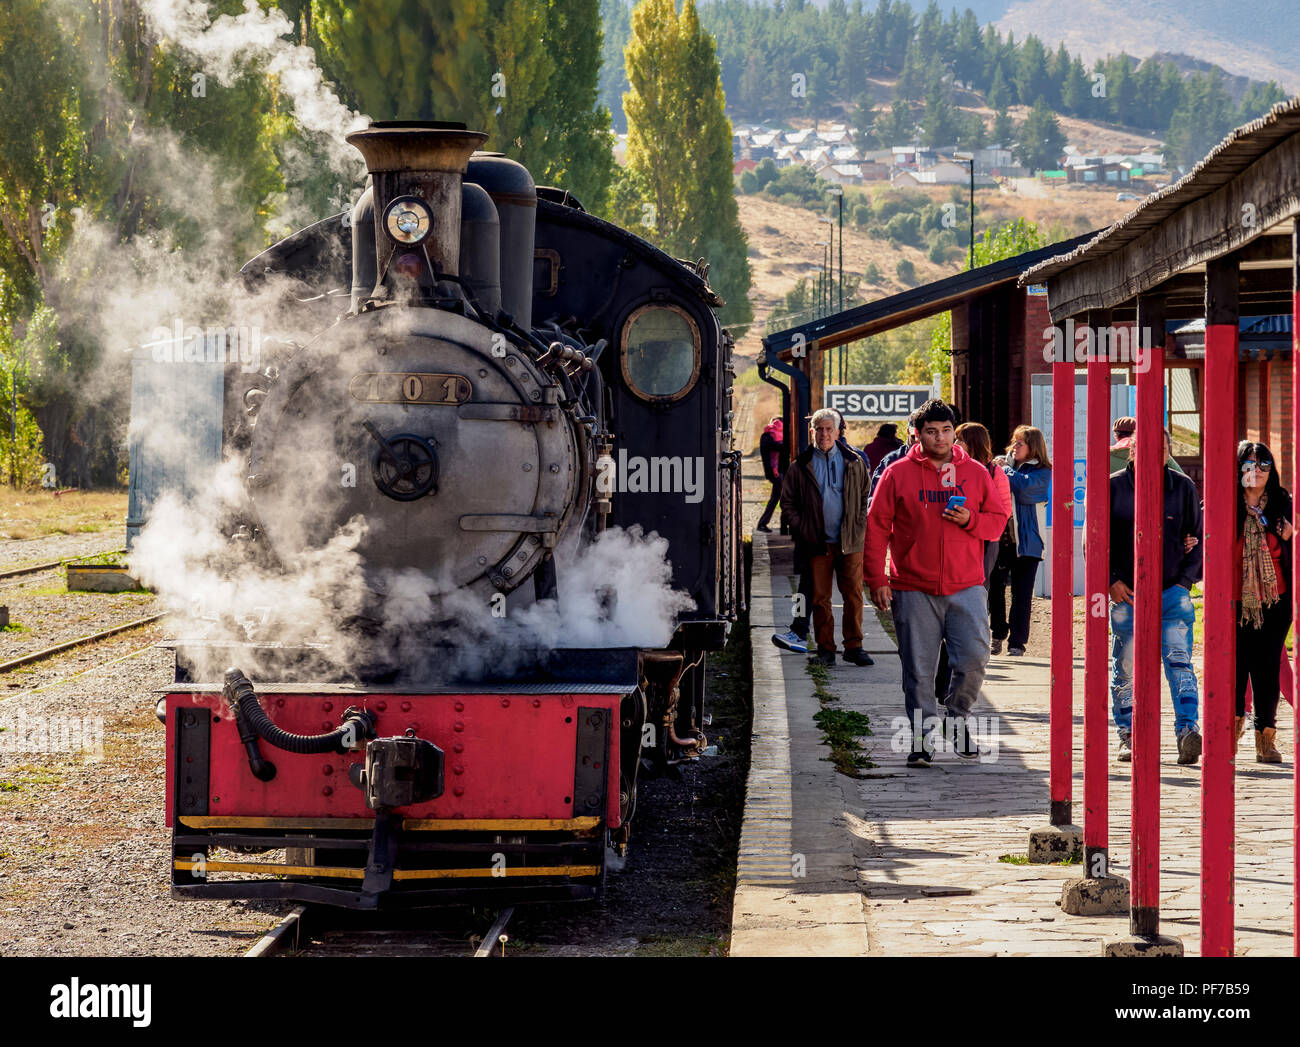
column 1205, row 116
column 967, row 66
column 1031, row 76
column 1041, row 138
column 941, row 122
column 1077, row 90
column 679, row 146
column 1004, row 131
column 896, row 125
column 999, row 96
column 912, row 81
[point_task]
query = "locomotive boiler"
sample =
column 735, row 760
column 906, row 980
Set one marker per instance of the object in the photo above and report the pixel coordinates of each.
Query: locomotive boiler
column 487, row 384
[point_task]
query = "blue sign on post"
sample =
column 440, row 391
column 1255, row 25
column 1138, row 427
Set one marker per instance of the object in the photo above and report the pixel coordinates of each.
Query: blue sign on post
column 1079, row 492
column 1080, row 489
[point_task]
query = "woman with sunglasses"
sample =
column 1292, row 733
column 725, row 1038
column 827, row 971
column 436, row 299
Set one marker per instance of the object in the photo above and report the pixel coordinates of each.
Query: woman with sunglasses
column 1264, row 544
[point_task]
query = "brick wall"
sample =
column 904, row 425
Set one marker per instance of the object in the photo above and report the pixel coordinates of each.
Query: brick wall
column 1279, row 401
column 1029, row 355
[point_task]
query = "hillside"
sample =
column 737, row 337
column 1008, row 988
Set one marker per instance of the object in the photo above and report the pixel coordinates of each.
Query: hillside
column 1255, row 40
column 781, row 240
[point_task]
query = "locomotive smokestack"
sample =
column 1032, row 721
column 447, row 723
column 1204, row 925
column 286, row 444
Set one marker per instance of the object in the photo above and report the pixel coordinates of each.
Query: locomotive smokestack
column 425, row 161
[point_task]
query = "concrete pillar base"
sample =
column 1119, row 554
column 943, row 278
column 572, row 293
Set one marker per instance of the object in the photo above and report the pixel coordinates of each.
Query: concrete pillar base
column 1096, row 896
column 1054, row 844
column 1144, row 945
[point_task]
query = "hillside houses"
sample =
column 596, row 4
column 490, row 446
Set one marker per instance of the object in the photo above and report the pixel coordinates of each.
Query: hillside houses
column 1113, row 169
column 832, row 155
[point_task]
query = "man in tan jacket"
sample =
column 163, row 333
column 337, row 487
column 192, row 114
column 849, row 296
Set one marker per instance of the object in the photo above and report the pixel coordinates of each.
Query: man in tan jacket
column 824, row 496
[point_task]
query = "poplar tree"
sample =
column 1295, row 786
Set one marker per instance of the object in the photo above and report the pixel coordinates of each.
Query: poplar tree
column 679, row 147
column 578, row 151
column 408, row 59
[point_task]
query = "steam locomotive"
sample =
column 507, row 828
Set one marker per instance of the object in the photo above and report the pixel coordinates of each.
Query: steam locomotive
column 503, row 362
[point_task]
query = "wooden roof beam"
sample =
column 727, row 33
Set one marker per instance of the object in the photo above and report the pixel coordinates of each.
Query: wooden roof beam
column 1239, row 212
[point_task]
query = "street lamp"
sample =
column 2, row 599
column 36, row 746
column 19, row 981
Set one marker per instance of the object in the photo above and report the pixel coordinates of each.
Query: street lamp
column 838, row 191
column 821, row 302
column 969, row 161
column 830, row 299
column 822, row 279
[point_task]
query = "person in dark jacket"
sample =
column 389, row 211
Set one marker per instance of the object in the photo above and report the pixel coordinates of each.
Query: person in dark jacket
column 824, row 497
column 769, row 449
column 893, row 456
column 1264, row 534
column 1181, row 569
column 886, row 441
column 1029, row 474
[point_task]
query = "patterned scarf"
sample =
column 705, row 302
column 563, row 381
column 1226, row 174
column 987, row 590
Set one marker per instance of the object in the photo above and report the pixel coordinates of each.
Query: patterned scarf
column 1258, row 579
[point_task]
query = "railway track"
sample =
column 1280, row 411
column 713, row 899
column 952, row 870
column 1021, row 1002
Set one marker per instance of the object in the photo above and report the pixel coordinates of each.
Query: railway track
column 50, row 565
column 81, row 641
column 319, row 931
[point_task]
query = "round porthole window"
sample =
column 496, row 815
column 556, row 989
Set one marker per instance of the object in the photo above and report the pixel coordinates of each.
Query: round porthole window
column 661, row 352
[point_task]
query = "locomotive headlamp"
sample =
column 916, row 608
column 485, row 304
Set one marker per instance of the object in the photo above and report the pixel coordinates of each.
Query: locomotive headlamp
column 407, row 220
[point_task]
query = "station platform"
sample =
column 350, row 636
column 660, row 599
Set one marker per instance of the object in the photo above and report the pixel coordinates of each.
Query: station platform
column 906, row 862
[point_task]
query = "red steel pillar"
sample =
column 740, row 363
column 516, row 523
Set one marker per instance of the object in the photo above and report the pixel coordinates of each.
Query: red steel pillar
column 1062, row 698
column 1148, row 570
column 1294, row 581
column 1096, row 568
column 1218, row 703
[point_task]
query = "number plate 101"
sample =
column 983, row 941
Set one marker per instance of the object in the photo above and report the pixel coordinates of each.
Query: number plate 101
column 398, row 388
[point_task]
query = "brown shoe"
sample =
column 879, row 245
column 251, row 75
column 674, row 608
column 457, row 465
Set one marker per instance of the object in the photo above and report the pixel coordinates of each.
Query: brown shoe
column 1238, row 726
column 1265, row 750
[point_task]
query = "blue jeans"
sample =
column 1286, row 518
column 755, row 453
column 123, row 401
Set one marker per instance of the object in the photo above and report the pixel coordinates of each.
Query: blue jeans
column 1176, row 618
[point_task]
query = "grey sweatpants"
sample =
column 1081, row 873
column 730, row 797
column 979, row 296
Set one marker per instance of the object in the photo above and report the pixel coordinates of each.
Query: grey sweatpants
column 921, row 621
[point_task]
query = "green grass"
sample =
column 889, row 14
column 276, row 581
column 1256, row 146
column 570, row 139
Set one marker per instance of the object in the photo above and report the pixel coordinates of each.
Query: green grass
column 840, row 728
column 15, row 627
column 114, row 557
column 1075, row 858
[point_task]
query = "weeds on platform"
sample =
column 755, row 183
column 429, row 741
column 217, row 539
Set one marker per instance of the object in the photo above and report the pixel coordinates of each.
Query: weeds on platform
column 841, row 728
column 1075, row 858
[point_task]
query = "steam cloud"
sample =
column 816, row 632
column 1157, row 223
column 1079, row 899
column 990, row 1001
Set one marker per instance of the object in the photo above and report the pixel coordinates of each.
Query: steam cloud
column 614, row 592
column 229, row 45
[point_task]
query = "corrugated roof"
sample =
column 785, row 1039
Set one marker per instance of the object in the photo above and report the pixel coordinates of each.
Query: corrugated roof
column 1224, row 162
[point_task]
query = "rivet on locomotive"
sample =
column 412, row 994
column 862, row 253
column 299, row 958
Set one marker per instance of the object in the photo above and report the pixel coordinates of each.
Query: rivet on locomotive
column 515, row 377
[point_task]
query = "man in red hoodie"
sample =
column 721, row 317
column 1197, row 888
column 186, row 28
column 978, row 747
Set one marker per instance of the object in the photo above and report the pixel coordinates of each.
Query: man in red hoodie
column 935, row 586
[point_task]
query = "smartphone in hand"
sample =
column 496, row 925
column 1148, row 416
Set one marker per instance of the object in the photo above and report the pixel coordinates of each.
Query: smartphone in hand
column 956, row 501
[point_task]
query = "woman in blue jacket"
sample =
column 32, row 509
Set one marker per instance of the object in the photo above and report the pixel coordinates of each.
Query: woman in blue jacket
column 1029, row 472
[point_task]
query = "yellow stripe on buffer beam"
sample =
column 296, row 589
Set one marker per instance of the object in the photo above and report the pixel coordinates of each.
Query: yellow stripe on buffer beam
column 339, row 873
column 408, row 824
